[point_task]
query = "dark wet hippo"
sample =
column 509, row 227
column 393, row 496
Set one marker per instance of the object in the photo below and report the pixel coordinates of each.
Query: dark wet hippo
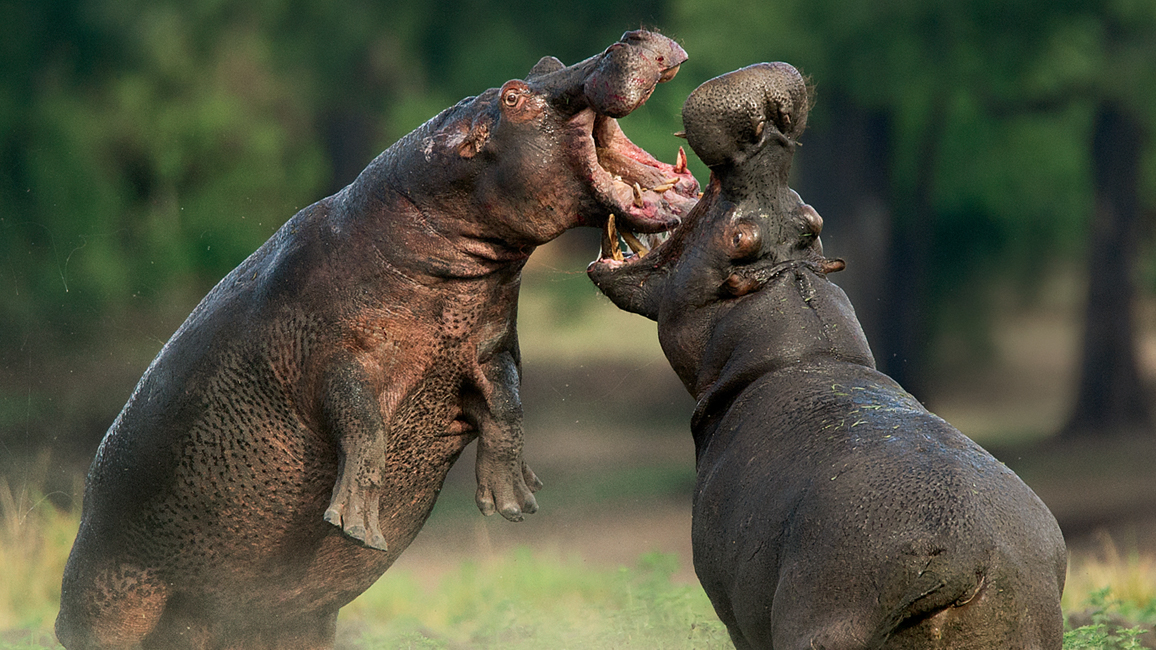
column 289, row 441
column 831, row 509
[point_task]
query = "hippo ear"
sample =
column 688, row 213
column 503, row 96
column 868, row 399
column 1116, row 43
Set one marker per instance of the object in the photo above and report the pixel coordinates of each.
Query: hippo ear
column 744, row 241
column 544, row 66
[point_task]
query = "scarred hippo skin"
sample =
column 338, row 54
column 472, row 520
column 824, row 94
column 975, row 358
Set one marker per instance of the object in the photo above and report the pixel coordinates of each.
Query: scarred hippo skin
column 831, row 509
column 289, row 441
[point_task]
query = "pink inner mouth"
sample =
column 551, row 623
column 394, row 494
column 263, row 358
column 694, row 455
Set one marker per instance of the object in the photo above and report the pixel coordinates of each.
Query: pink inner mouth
column 621, row 247
column 645, row 194
column 648, row 198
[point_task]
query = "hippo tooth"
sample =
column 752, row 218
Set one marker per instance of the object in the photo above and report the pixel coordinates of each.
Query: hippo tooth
column 632, row 241
column 610, row 247
column 680, row 162
column 653, row 240
column 670, row 182
column 638, row 196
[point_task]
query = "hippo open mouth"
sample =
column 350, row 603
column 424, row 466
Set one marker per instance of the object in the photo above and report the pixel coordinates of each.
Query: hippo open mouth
column 624, row 245
column 748, row 224
column 641, row 193
column 624, row 182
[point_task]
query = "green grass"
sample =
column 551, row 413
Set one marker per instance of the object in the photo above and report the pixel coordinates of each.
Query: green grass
column 529, row 601
column 526, row 599
column 1109, row 628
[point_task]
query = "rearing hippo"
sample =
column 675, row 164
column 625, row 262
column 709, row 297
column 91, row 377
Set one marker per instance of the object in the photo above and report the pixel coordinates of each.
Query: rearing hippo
column 831, row 509
column 289, row 441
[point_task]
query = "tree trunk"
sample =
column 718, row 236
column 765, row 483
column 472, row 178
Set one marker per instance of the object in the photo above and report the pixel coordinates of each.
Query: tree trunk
column 1111, row 398
column 845, row 173
column 906, row 332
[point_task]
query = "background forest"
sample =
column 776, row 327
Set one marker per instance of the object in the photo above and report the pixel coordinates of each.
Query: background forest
column 985, row 167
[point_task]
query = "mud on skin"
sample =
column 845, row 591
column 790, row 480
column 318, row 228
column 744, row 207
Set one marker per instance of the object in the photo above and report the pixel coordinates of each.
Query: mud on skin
column 831, row 509
column 289, row 441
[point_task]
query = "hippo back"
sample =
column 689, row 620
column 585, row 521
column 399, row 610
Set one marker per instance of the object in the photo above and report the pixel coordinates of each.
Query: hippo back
column 831, row 505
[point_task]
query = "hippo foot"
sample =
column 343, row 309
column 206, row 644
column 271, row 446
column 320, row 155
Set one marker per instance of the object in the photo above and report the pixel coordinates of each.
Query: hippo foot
column 507, row 488
column 355, row 513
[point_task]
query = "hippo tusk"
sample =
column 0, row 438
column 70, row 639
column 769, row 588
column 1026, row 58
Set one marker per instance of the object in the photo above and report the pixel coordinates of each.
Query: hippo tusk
column 610, row 247
column 638, row 247
column 680, row 162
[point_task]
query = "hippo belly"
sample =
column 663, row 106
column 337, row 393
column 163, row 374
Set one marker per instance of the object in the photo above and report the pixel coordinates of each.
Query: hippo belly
column 218, row 525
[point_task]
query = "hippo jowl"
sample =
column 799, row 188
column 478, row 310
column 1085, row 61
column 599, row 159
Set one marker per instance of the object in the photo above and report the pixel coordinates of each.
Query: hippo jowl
column 290, row 439
column 831, row 509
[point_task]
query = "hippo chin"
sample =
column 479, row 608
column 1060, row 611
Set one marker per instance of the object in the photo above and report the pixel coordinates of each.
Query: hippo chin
column 289, row 441
column 831, row 509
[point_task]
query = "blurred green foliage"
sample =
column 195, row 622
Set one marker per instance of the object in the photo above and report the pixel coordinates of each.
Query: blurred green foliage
column 147, row 147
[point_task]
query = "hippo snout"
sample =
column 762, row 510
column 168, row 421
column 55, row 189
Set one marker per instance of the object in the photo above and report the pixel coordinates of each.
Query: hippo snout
column 727, row 118
column 629, row 70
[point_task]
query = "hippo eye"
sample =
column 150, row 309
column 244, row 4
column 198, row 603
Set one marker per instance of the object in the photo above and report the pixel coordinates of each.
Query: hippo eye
column 511, row 98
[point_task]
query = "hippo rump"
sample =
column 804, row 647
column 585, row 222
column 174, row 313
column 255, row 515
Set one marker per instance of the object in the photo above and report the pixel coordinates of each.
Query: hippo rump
column 831, row 509
column 289, row 441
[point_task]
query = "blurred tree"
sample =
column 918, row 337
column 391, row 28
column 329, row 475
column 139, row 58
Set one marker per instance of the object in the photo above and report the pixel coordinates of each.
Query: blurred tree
column 935, row 171
column 1111, row 398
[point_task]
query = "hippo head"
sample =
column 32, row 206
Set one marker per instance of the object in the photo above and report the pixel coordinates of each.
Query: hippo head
column 543, row 154
column 748, row 227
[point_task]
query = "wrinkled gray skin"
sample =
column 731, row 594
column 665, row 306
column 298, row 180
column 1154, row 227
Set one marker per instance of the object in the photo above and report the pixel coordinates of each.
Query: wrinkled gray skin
column 831, row 509
column 290, row 440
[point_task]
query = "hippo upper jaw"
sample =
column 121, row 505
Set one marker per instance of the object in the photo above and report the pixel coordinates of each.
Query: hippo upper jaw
column 620, row 178
column 644, row 194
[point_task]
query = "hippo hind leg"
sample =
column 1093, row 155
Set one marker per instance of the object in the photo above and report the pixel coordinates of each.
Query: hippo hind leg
column 115, row 608
column 982, row 619
column 993, row 617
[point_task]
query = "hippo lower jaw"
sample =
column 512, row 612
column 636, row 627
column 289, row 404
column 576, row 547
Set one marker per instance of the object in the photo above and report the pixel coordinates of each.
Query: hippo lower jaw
column 625, row 246
column 620, row 246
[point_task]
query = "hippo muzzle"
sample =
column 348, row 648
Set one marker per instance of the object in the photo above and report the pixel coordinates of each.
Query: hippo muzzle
column 626, row 181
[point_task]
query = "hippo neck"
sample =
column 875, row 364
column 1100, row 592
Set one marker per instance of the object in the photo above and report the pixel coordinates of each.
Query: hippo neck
column 799, row 317
column 433, row 227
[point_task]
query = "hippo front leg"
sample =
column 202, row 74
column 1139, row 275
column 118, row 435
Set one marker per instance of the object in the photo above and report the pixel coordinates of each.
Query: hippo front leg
column 352, row 414
column 505, row 483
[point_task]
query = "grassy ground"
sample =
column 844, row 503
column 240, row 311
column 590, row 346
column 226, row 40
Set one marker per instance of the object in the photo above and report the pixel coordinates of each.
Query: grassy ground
column 494, row 592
